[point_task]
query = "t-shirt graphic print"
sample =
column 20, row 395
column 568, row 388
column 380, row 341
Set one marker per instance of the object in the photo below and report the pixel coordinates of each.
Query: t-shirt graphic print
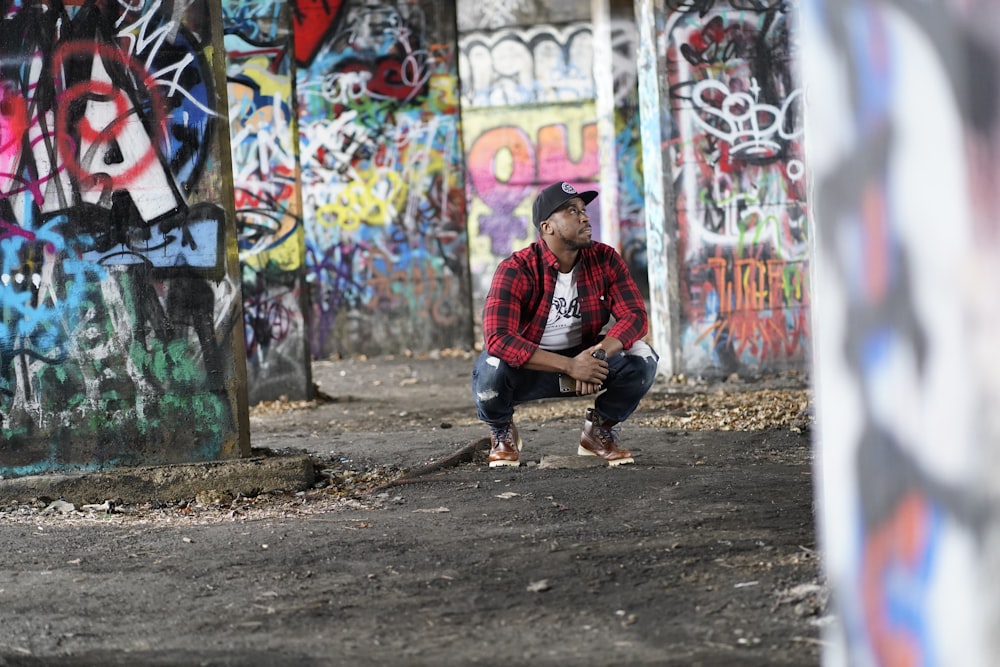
column 564, row 327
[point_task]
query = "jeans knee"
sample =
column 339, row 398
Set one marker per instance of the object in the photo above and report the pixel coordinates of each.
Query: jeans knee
column 491, row 389
column 488, row 376
column 645, row 364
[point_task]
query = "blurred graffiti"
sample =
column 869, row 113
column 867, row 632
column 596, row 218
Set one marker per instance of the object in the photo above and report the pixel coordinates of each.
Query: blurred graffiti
column 908, row 384
column 263, row 136
column 381, row 176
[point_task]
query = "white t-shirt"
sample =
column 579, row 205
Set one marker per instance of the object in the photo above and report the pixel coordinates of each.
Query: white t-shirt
column 564, row 328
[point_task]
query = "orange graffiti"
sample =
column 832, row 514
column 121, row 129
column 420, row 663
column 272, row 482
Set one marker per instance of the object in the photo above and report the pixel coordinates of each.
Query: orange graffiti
column 901, row 543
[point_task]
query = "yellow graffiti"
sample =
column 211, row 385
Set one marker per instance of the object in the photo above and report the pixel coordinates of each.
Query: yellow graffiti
column 374, row 201
column 284, row 250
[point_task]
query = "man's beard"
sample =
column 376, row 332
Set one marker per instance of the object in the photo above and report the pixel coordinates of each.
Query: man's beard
column 574, row 243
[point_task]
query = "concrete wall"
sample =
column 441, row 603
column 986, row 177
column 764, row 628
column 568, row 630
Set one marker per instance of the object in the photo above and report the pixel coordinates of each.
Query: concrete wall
column 263, row 127
column 382, row 176
column 121, row 339
column 738, row 188
column 530, row 118
column 903, row 116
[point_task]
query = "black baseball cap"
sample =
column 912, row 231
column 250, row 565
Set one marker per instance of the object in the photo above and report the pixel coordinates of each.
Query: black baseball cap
column 551, row 198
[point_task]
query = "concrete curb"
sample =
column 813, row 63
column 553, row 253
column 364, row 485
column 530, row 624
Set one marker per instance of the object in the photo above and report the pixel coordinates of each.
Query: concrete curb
column 250, row 477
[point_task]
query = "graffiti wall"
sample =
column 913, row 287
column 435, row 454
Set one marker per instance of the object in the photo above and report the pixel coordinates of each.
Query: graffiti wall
column 529, row 119
column 263, row 131
column 739, row 188
column 510, row 158
column 903, row 144
column 382, row 176
column 121, row 338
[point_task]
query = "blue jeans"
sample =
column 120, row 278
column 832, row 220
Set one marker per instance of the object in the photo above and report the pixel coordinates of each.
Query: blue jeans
column 497, row 387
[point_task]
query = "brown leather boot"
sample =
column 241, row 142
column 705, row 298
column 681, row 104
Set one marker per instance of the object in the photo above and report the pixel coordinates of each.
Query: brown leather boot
column 505, row 446
column 599, row 439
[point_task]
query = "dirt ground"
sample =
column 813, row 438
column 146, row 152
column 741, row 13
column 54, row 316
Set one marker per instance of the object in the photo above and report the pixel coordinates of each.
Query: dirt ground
column 411, row 551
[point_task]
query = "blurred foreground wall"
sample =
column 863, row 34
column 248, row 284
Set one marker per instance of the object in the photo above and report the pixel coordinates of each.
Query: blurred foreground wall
column 903, row 142
column 121, row 338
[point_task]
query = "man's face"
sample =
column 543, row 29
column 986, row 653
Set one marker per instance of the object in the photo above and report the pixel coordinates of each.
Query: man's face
column 571, row 224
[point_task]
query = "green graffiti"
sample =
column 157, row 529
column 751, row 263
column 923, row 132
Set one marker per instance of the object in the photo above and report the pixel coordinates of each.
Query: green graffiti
column 183, row 367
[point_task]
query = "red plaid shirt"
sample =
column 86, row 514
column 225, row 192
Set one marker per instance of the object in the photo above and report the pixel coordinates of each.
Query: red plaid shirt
column 518, row 303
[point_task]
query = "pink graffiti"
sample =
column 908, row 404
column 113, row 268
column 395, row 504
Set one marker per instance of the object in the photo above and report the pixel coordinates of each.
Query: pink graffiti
column 547, row 161
column 10, row 231
column 502, row 195
column 532, row 167
column 13, row 127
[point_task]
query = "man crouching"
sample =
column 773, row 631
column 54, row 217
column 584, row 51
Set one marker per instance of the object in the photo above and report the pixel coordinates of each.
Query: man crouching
column 542, row 323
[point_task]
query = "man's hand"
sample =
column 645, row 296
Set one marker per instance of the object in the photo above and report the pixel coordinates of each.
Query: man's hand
column 589, row 373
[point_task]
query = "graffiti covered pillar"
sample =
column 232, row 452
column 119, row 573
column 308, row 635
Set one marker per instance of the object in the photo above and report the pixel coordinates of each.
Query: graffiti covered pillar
column 661, row 230
column 264, row 132
column 382, row 176
column 903, row 144
column 121, row 338
column 738, row 186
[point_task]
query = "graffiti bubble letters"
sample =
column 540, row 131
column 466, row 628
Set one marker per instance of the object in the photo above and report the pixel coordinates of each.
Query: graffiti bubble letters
column 754, row 131
column 503, row 189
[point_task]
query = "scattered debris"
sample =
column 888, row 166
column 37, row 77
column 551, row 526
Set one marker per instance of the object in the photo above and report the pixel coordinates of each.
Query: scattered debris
column 60, row 506
column 539, row 586
column 107, row 507
column 626, row 618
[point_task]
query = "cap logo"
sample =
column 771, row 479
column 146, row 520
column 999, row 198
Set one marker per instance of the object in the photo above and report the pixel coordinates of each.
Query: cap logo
column 568, row 189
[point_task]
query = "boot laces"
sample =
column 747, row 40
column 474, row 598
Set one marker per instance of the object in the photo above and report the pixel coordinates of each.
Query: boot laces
column 502, row 434
column 610, row 434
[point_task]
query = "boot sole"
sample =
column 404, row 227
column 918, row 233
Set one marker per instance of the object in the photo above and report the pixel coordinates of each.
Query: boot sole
column 583, row 451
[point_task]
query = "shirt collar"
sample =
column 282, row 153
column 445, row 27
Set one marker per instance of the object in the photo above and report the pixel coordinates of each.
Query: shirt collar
column 549, row 258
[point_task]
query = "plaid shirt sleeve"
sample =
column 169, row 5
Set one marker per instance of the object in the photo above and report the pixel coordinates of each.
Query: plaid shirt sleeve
column 507, row 313
column 612, row 288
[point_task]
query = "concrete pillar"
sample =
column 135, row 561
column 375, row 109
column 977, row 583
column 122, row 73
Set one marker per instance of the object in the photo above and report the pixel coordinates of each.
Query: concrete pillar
column 661, row 228
column 263, row 132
